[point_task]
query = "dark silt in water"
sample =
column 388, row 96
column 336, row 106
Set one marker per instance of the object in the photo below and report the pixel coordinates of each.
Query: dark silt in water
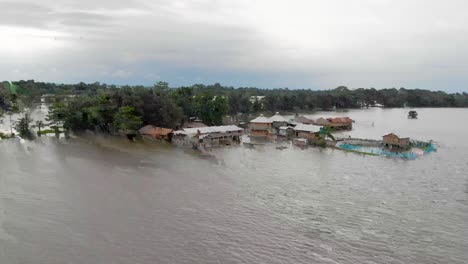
column 106, row 200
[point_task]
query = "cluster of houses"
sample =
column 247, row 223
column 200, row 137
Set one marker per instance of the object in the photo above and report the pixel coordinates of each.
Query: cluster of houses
column 208, row 136
column 195, row 133
column 301, row 127
column 301, row 130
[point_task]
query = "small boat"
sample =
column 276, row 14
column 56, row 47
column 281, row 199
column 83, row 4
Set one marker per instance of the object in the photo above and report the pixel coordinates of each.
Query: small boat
column 281, row 147
column 413, row 114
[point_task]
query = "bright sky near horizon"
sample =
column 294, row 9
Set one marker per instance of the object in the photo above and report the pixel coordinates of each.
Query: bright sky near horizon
column 317, row 44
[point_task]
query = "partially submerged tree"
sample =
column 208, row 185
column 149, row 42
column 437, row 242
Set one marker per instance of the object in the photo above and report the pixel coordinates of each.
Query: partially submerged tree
column 126, row 120
column 320, row 136
column 22, row 126
column 39, row 125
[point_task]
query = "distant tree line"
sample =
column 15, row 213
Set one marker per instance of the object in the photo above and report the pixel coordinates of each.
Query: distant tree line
column 109, row 108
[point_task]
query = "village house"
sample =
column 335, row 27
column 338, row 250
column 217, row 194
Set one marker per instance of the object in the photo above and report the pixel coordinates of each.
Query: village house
column 278, row 120
column 156, row 133
column 393, row 141
column 286, row 132
column 194, row 124
column 304, row 120
column 306, row 131
column 208, row 136
column 340, row 123
column 321, row 122
column 261, row 127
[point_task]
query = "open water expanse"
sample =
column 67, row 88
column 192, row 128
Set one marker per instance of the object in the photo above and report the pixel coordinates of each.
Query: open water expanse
column 106, row 200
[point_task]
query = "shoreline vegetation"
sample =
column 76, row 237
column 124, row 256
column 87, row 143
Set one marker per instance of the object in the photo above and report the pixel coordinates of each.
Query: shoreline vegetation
column 108, row 109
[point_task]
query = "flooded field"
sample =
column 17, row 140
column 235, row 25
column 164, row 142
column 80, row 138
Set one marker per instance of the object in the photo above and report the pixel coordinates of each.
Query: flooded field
column 106, row 200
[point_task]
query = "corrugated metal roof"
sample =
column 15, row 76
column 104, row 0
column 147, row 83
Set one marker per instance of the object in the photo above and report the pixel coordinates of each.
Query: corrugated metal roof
column 322, row 122
column 208, row 130
column 344, row 120
column 307, row 128
column 261, row 119
column 303, row 119
column 278, row 118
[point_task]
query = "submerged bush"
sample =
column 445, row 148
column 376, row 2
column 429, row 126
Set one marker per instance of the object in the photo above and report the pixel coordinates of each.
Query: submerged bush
column 23, row 127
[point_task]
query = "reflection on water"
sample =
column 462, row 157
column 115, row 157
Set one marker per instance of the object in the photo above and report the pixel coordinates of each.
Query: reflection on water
column 107, row 200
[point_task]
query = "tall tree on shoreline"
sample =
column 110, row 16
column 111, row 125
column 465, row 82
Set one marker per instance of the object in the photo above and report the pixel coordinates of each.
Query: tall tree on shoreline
column 22, row 126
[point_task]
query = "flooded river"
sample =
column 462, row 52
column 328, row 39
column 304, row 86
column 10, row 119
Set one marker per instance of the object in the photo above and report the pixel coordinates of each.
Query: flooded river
column 104, row 200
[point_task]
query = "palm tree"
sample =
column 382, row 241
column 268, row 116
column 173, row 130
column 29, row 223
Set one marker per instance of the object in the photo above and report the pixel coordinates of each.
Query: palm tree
column 326, row 132
column 322, row 134
column 39, row 125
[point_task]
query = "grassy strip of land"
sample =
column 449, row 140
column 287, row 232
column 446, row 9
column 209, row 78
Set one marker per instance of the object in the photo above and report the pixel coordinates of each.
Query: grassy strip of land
column 47, row 131
column 5, row 136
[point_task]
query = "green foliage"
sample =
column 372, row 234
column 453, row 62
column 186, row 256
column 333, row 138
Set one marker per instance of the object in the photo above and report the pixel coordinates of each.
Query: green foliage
column 5, row 97
column 161, row 87
column 23, row 126
column 184, row 98
column 126, row 120
column 94, row 106
column 46, row 131
column 105, row 111
column 321, row 143
column 73, row 114
column 211, row 109
column 155, row 107
column 57, row 131
column 6, row 136
column 11, row 87
column 101, row 113
column 239, row 99
column 256, row 106
column 39, row 125
column 326, row 131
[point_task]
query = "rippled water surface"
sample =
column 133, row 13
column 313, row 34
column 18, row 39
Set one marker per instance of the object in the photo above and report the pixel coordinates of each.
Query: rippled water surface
column 109, row 201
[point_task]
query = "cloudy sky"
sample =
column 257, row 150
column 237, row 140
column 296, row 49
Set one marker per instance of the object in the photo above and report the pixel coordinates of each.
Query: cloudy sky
column 317, row 44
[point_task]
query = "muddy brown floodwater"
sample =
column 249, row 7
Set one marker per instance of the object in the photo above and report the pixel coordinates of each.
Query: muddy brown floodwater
column 104, row 200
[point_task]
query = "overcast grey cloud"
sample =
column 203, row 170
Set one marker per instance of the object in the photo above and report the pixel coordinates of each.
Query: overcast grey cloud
column 296, row 44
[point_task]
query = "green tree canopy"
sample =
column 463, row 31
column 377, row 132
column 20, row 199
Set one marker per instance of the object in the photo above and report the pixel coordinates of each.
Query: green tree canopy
column 126, row 120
